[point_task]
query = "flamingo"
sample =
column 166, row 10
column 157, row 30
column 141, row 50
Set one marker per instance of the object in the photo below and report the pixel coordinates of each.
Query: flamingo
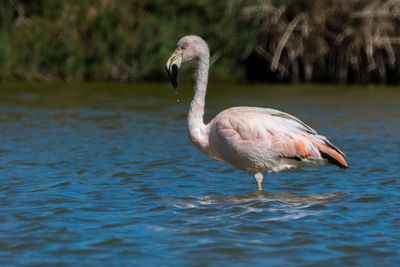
column 256, row 140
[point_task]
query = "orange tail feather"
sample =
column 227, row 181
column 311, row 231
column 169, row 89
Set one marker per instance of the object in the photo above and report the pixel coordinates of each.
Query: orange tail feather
column 332, row 155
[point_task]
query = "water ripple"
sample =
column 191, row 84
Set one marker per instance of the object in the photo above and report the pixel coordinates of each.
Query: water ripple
column 108, row 176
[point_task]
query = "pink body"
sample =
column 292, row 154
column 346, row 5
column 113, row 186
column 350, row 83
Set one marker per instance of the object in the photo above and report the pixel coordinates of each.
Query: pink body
column 261, row 140
column 256, row 140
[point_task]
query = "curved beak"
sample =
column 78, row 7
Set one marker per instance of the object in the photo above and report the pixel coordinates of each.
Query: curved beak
column 173, row 65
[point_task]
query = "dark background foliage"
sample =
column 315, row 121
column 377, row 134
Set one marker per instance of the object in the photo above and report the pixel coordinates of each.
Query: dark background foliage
column 264, row 40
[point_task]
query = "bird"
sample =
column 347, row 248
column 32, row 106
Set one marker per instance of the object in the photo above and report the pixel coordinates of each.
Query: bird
column 254, row 139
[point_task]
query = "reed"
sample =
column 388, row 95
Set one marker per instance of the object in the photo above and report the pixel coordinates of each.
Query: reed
column 330, row 40
column 263, row 40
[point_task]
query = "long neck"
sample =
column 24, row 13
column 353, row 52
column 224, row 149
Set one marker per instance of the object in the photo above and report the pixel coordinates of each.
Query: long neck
column 196, row 124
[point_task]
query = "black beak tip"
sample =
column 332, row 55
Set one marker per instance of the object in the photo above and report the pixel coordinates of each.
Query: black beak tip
column 173, row 75
column 174, row 84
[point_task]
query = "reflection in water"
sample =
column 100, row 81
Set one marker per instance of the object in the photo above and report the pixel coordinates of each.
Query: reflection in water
column 302, row 199
column 284, row 197
column 105, row 174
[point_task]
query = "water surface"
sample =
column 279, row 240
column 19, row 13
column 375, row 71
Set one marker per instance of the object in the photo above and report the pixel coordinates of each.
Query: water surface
column 100, row 174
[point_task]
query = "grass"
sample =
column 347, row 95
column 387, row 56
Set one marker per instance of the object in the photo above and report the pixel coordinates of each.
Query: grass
column 260, row 40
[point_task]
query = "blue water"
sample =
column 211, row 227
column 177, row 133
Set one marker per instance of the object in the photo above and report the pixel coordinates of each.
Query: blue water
column 105, row 174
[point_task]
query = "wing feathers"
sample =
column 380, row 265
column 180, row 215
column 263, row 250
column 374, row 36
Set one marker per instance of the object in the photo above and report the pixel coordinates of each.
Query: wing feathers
column 285, row 135
column 301, row 125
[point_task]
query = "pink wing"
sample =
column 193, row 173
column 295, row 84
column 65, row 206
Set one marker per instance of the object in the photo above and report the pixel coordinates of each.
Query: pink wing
column 283, row 134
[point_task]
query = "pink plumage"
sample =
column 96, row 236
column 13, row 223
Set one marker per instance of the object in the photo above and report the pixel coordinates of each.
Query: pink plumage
column 256, row 140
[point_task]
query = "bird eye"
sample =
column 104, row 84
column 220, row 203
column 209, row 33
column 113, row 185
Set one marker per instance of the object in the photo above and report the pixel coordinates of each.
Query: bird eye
column 184, row 46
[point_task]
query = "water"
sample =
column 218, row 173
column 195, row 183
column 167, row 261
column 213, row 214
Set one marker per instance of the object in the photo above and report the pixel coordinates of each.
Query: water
column 105, row 174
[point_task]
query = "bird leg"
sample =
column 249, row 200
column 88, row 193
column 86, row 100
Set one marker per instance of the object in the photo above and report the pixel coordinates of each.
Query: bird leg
column 259, row 186
column 259, row 178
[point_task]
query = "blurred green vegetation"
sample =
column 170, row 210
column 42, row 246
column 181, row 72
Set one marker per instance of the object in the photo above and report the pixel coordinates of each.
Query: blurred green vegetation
column 127, row 40
column 260, row 40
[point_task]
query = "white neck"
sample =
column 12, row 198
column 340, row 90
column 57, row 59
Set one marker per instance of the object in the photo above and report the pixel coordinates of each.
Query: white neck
column 196, row 126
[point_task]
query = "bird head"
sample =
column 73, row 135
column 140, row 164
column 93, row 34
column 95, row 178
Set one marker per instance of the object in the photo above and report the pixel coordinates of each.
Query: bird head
column 190, row 47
